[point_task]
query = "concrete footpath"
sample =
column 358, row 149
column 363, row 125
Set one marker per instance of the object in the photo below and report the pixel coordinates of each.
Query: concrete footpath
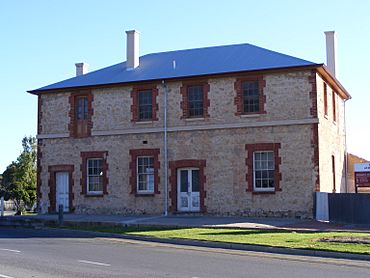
column 174, row 221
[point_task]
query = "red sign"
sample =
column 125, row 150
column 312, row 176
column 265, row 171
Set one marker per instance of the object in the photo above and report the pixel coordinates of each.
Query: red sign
column 362, row 179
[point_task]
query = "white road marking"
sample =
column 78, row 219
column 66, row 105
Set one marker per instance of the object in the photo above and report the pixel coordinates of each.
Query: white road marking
column 91, row 262
column 5, row 276
column 10, row 250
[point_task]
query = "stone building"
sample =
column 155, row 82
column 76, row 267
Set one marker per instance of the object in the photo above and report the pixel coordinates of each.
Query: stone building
column 228, row 130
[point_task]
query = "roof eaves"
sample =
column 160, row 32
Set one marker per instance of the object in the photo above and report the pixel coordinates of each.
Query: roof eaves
column 334, row 82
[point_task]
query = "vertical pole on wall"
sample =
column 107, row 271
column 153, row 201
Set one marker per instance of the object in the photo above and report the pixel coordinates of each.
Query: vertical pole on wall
column 345, row 151
column 165, row 148
column 2, row 205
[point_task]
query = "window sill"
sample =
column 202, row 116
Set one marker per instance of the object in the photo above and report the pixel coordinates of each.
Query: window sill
column 263, row 192
column 254, row 115
column 144, row 194
column 99, row 195
column 144, row 122
column 194, row 119
column 326, row 116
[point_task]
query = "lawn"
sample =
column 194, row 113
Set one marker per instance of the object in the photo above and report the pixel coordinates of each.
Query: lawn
column 287, row 239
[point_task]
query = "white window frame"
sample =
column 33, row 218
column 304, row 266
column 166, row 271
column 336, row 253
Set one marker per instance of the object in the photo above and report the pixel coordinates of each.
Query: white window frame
column 148, row 177
column 90, row 192
column 266, row 189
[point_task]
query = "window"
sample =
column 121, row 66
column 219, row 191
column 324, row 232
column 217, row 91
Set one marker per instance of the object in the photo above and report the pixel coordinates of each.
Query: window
column 195, row 100
column 334, row 107
column 145, row 105
column 144, row 168
column 325, row 99
column 264, row 171
column 94, row 167
column 333, row 172
column 145, row 174
column 263, row 168
column 81, row 115
column 251, row 97
column 95, row 176
column 81, row 108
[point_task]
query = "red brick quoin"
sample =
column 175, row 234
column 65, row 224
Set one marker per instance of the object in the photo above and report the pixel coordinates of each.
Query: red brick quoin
column 133, row 169
column 52, row 185
column 251, row 148
column 174, row 165
column 238, row 100
column 84, row 157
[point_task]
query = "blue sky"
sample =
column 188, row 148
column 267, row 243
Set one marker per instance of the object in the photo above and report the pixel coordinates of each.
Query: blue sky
column 41, row 41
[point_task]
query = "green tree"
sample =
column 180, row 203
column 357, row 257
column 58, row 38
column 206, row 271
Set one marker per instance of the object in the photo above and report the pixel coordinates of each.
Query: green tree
column 19, row 179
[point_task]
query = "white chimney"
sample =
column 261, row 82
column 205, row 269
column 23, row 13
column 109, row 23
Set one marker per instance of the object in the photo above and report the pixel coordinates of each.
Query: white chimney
column 132, row 54
column 81, row 68
column 330, row 51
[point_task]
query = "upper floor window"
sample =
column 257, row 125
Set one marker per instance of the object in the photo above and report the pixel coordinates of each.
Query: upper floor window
column 195, row 100
column 325, row 99
column 144, row 103
column 80, row 114
column 249, row 97
column 334, row 107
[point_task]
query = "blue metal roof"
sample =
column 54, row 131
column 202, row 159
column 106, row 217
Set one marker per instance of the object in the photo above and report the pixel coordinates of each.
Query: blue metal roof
column 191, row 62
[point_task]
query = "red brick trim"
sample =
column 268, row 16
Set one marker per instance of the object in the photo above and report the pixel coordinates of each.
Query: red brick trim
column 72, row 126
column 184, row 102
column 174, row 165
column 238, row 100
column 52, row 185
column 83, row 168
column 133, row 169
column 315, row 130
column 135, row 101
column 39, row 114
column 250, row 148
column 39, row 171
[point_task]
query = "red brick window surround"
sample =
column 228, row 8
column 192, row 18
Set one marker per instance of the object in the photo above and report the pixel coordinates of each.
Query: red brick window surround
column 94, row 167
column 144, row 169
column 80, row 114
column 144, row 105
column 195, row 101
column 250, row 98
column 263, row 168
column 187, row 163
column 53, row 169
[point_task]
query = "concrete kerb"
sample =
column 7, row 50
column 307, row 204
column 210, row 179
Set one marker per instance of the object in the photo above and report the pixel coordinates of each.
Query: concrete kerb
column 41, row 223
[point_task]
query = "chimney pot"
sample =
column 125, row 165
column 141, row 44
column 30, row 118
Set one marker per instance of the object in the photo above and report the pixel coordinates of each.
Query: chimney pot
column 331, row 51
column 132, row 50
column 81, row 68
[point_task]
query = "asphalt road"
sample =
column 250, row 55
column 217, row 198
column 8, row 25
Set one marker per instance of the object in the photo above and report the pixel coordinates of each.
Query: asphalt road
column 60, row 253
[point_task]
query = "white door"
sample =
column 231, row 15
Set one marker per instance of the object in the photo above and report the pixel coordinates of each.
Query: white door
column 62, row 190
column 188, row 189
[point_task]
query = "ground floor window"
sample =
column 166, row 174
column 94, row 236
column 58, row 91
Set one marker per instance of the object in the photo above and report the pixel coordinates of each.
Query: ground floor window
column 144, row 168
column 264, row 171
column 145, row 174
column 263, row 167
column 95, row 175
